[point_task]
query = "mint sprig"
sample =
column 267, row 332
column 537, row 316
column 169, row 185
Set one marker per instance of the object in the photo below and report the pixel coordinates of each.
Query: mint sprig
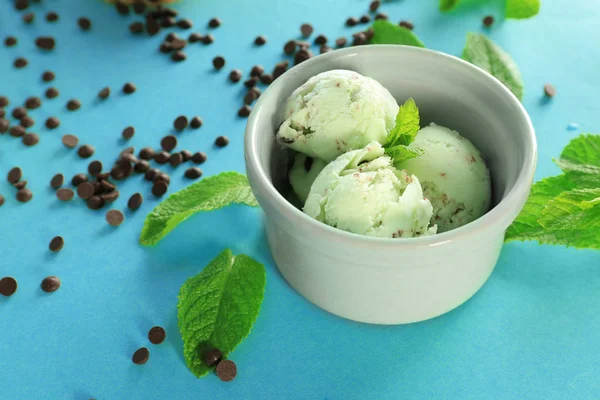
column 218, row 307
column 565, row 209
column 517, row 9
column 490, row 57
column 209, row 194
column 404, row 133
column 385, row 32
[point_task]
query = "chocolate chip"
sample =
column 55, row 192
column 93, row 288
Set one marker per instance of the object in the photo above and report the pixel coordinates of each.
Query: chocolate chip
column 250, row 83
column 95, row 168
column 48, row 76
column 175, row 159
column 351, row 21
column 488, row 21
column 85, row 151
column 19, row 112
column 280, row 68
column 27, row 121
column 218, row 62
column 86, row 190
column 157, row 334
column 57, row 181
column 1, row 200
column 320, row 40
column 84, row 23
column 159, row 188
column 50, row 284
column 135, row 201
column 171, row 37
column 10, row 41
column 244, row 111
column 266, row 79
column 235, row 75
column 251, row 96
column 180, row 123
column 139, row 7
column 52, row 123
column 195, row 37
column 95, row 202
column 140, row 356
column 52, row 93
column 407, row 24
column 226, row 370
column 65, row 194
column 289, row 47
column 109, row 197
column 374, row 5
column 214, row 23
column 103, row 176
column 150, row 174
column 185, row 23
column 211, row 357
column 161, row 157
column 78, row 179
column 208, row 39
column 165, row 47
column 8, row 286
column 56, row 244
column 141, row 166
column 178, row 56
column 359, row 39
column 325, row 49
column 24, row 195
column 196, row 122
column 168, row 143
column 122, row 8
column 152, row 26
column 114, row 217
column 14, row 175
column 147, row 153
column 104, row 93
column 129, row 88
column 306, row 30
column 302, row 56
column 70, row 141
column 28, row 18
column 260, row 40
column 302, row 45
column 21, row 4
column 365, row 19
column 381, row 16
column 167, row 22
column 193, row 173
column 178, row 44
column 20, row 184
column 52, row 16
column 31, row 139
column 222, row 141
column 4, row 125
column 549, row 90
column 136, row 27
column 16, row 131
column 257, row 71
column 45, row 42
column 199, row 157
column 128, row 132
column 73, row 105
column 4, row 101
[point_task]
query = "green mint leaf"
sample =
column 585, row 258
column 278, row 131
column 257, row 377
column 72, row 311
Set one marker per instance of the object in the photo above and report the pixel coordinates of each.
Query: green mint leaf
column 490, row 57
column 385, row 32
column 448, row 5
column 572, row 210
column 402, row 153
column 407, row 125
column 521, row 9
column 206, row 195
column 218, row 307
column 582, row 154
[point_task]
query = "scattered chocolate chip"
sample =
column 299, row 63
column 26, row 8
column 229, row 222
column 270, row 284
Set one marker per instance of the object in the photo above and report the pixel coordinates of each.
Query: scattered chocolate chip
column 208, row 39
column 20, row 184
column 266, row 79
column 252, row 95
column 175, row 159
column 162, row 176
column 52, row 16
column 45, row 42
column 85, row 151
column 321, row 40
column 168, row 143
column 280, row 68
column 86, row 190
column 150, row 174
column 157, row 334
column 4, row 101
column 306, row 30
column 8, row 286
column 351, row 21
column 196, row 122
column 84, row 23
column 488, row 21
column 21, row 4
column 257, row 71
column 19, row 112
column 159, row 188
column 73, row 105
column 549, row 90
column 195, row 37
column 167, row 22
column 214, row 23
column 140, row 356
column 134, row 202
column 260, row 40
column 109, row 197
column 161, row 157
column 56, row 244
column 107, row 186
column 302, row 56
column 95, row 168
column 193, row 173
column 180, row 123
column 10, row 41
column 178, row 56
column 226, row 370
column 114, row 217
column 186, row 155
column 244, row 111
column 65, row 194
column 70, row 141
column 129, row 88
column 20, row 62
column 152, row 26
column 57, row 181
column 78, row 179
column 104, row 93
column 178, row 44
column 128, row 132
column 122, row 8
column 52, row 123
column 2, row 112
column 341, row 42
column 95, row 202
column 289, row 47
column 250, row 83
column 48, row 76
column 359, row 39
column 165, row 47
column 381, row 16
column 185, row 23
column 407, row 24
column 1, row 200
column 136, row 27
column 103, row 176
column 27, row 122
column 365, row 19
column 374, row 5
column 218, row 62
column 4, row 125
column 24, row 195
column 52, row 93
column 235, row 75
column 139, row 7
column 325, row 49
column 50, row 284
column 14, row 175
column 16, row 131
column 147, row 153
column 31, row 139
column 28, row 18
column 199, row 157
column 211, row 357
column 222, row 141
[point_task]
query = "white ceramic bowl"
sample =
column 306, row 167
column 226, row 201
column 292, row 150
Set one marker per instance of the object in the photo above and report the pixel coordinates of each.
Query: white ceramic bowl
column 394, row 281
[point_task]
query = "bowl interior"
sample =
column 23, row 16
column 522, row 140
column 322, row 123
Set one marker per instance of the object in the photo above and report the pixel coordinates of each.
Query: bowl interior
column 447, row 91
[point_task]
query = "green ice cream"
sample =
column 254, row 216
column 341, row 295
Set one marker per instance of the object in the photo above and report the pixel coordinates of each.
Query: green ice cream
column 453, row 175
column 362, row 192
column 303, row 173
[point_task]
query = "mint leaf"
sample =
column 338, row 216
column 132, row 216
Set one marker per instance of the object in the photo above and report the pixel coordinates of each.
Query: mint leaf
column 407, row 125
column 448, row 5
column 209, row 194
column 402, row 153
column 490, row 57
column 385, row 32
column 575, row 209
column 218, row 307
column 582, row 154
column 520, row 9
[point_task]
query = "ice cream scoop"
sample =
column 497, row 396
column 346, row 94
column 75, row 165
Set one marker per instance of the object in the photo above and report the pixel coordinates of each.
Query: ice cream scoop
column 337, row 111
column 303, row 173
column 362, row 192
column 453, row 175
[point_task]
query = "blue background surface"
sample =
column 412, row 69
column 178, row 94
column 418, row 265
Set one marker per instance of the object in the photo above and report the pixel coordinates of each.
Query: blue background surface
column 530, row 333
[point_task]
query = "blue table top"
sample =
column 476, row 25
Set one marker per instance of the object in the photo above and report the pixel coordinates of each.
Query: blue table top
column 530, row 333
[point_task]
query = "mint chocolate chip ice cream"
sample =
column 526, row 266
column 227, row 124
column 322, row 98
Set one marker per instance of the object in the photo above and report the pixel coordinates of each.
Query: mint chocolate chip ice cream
column 453, row 175
column 337, row 111
column 303, row 173
column 362, row 192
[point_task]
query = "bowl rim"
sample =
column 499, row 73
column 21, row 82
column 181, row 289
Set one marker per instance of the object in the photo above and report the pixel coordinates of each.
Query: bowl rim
column 505, row 211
